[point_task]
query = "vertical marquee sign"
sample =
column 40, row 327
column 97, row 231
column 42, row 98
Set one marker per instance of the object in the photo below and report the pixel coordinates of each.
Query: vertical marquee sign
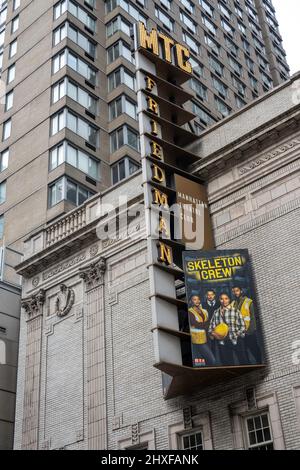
column 162, row 67
column 176, row 211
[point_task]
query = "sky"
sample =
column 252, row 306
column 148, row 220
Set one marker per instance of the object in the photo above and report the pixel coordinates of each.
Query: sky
column 288, row 15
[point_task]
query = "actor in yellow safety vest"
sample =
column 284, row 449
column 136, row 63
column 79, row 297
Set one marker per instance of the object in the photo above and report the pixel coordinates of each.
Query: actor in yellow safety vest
column 199, row 322
column 245, row 305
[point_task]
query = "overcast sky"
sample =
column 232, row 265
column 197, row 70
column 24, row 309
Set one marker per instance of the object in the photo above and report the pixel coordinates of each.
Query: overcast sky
column 288, row 15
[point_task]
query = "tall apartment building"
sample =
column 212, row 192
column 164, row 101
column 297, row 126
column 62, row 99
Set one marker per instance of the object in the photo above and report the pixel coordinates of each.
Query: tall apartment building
column 68, row 114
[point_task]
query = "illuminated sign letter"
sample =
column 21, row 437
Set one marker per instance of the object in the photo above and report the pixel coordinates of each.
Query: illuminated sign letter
column 165, row 254
column 167, row 47
column 182, row 58
column 158, row 174
column 152, row 105
column 150, row 83
column 148, row 41
column 160, row 198
column 156, row 150
column 163, row 227
column 154, row 129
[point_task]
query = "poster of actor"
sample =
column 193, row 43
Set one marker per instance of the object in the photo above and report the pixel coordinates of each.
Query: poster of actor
column 221, row 309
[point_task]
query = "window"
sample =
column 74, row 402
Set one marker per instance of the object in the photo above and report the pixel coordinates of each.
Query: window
column 9, row 100
column 208, row 8
column 3, row 14
column 192, row 441
column 1, row 226
column 127, row 6
column 71, row 89
column 239, row 102
column 75, row 10
column 76, row 63
column 222, row 107
column 215, row 47
column 188, row 22
column 124, row 136
column 121, row 76
column 67, row 153
column 11, row 73
column 67, row 30
column 238, row 85
column 220, row 87
column 13, row 48
column 2, row 192
column 123, row 169
column 66, row 189
column 188, row 5
column 16, row 4
column 210, row 25
column 15, row 25
column 6, row 130
column 216, row 66
column 165, row 19
column 236, row 66
column 196, row 66
column 204, row 116
column 4, row 156
column 189, row 40
column 118, row 24
column 200, row 89
column 76, row 124
column 120, row 105
column 259, row 432
column 118, row 49
column 2, row 37
column 228, row 28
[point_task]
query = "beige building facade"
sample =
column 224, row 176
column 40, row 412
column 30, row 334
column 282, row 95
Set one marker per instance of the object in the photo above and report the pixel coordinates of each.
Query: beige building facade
column 86, row 316
column 68, row 117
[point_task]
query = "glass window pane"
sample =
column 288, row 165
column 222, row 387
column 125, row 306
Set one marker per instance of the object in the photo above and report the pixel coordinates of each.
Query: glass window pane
column 82, row 195
column 71, row 192
column 93, row 168
column 115, row 174
column 72, row 155
column 83, row 163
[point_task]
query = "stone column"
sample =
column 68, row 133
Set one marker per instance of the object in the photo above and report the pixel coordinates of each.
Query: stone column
column 33, row 307
column 96, row 373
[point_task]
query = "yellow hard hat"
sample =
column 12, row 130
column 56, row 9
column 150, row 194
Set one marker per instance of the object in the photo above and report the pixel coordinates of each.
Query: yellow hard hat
column 222, row 330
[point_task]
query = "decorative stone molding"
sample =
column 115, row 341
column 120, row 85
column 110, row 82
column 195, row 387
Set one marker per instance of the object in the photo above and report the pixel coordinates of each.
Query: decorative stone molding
column 94, row 251
column 49, row 329
column 187, row 418
column 79, row 312
column 135, row 434
column 79, row 435
column 46, row 445
column 116, row 422
column 93, row 275
column 64, row 301
column 33, row 305
column 63, row 266
column 146, row 440
column 35, row 281
column 269, row 156
column 113, row 298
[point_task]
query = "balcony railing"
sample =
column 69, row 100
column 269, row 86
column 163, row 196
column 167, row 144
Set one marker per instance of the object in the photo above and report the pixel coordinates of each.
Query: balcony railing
column 66, row 226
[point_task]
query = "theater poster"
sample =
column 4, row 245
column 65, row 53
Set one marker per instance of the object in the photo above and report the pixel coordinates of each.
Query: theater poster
column 222, row 309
